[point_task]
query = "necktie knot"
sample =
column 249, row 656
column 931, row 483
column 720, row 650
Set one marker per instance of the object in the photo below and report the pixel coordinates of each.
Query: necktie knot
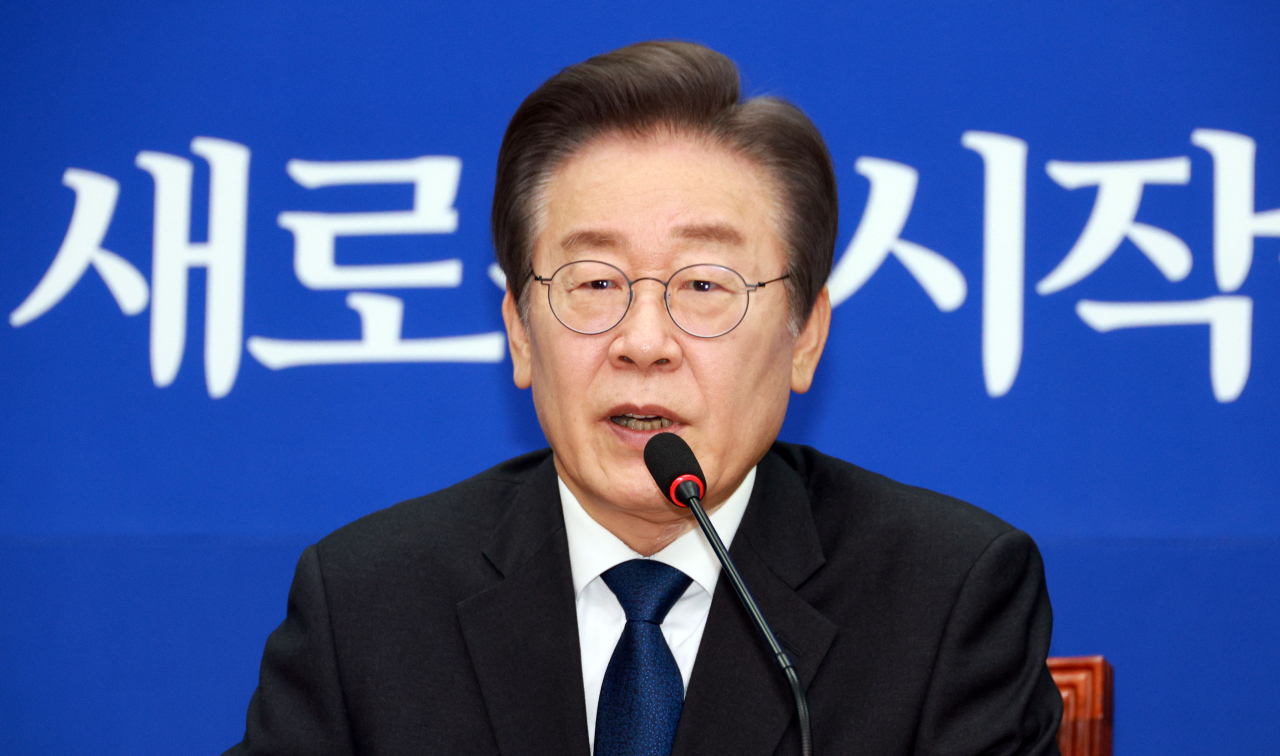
column 646, row 589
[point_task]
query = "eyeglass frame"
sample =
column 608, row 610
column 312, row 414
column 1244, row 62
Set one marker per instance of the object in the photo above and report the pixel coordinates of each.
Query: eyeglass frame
column 666, row 295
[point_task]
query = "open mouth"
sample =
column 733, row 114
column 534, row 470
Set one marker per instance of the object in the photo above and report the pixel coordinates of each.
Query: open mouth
column 641, row 422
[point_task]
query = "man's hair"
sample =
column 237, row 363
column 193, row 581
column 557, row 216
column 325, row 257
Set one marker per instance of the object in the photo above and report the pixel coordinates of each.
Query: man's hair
column 645, row 89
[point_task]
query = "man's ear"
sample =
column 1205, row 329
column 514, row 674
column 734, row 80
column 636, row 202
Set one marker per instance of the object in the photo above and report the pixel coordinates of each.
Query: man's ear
column 517, row 342
column 809, row 344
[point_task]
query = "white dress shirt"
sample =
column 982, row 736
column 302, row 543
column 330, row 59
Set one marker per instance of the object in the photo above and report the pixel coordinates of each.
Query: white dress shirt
column 593, row 550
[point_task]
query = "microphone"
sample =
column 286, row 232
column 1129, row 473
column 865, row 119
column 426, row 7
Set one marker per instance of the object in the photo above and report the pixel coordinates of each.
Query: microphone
column 676, row 471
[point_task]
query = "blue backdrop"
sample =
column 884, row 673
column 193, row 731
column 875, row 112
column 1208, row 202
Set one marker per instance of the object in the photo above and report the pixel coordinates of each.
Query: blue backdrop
column 1058, row 289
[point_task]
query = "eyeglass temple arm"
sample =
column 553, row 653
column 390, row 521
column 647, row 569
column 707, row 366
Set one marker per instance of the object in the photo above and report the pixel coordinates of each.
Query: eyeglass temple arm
column 758, row 284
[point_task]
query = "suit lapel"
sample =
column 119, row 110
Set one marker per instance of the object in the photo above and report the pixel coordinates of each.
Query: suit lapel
column 522, row 633
column 737, row 701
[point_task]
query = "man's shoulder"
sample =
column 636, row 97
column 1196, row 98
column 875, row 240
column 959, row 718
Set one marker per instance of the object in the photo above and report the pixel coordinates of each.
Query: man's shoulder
column 852, row 505
column 437, row 526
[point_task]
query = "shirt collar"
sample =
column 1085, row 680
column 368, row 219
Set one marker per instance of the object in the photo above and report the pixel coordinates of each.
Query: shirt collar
column 593, row 549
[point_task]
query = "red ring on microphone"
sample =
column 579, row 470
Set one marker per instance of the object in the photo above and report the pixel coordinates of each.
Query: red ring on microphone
column 671, row 493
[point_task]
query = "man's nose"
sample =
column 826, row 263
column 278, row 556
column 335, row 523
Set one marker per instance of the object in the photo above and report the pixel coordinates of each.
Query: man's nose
column 646, row 337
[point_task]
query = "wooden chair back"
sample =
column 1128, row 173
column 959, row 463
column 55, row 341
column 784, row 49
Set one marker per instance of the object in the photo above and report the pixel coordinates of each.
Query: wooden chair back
column 1085, row 683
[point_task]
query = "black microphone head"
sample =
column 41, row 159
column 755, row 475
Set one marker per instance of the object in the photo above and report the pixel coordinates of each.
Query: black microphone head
column 671, row 462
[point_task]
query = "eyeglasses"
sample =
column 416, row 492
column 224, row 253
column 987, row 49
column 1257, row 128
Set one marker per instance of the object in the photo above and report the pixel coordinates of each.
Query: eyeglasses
column 590, row 297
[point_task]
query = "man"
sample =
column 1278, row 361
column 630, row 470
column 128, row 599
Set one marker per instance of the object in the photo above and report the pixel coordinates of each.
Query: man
column 666, row 248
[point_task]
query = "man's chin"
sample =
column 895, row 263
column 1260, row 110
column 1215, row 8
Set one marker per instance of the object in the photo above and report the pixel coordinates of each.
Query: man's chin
column 630, row 488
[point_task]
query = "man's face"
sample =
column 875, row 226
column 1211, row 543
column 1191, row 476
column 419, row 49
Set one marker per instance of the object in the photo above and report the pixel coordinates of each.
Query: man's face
column 651, row 207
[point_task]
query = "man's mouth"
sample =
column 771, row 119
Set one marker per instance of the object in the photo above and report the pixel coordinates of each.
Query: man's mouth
column 641, row 422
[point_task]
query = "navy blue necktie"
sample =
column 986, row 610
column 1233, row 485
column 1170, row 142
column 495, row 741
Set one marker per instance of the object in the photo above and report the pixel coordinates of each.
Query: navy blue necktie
column 642, row 694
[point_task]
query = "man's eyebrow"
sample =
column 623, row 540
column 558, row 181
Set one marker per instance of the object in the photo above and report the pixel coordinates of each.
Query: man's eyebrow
column 720, row 233
column 588, row 240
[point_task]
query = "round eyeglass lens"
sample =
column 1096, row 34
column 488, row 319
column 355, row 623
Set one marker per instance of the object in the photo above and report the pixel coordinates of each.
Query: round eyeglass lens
column 707, row 300
column 589, row 297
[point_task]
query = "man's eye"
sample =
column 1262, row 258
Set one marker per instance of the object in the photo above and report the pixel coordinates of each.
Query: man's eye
column 601, row 285
column 702, row 286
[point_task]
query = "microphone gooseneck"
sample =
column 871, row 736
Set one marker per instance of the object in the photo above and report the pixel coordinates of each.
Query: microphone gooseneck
column 676, row 471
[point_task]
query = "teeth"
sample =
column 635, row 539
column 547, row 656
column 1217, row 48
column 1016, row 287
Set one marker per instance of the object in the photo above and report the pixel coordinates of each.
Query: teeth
column 641, row 422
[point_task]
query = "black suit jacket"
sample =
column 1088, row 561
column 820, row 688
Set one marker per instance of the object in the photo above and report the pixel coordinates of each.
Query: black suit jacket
column 446, row 625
